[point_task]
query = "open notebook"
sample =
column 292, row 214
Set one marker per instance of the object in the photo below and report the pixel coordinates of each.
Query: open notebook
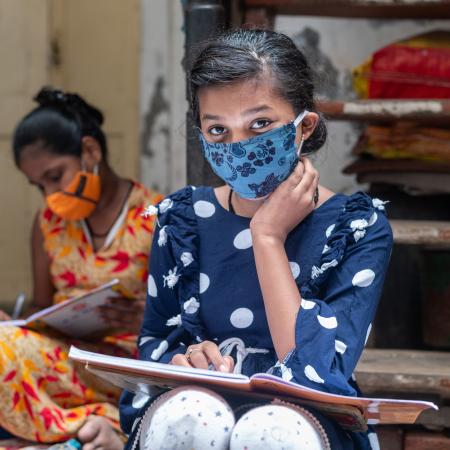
column 353, row 413
column 77, row 317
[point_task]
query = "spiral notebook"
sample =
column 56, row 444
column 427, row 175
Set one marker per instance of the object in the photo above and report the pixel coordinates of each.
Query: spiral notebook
column 76, row 317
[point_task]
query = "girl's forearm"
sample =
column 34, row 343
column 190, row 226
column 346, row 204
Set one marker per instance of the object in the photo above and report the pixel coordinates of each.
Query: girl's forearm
column 280, row 292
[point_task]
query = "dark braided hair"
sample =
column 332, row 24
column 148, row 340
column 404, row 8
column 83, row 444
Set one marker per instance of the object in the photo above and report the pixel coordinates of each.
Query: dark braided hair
column 60, row 122
column 246, row 54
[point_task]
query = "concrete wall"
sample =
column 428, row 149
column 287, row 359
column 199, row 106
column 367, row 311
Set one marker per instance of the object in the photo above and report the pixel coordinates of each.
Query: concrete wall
column 163, row 104
column 334, row 47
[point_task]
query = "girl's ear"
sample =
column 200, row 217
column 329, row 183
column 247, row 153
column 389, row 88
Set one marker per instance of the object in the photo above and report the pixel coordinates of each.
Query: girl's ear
column 308, row 124
column 91, row 153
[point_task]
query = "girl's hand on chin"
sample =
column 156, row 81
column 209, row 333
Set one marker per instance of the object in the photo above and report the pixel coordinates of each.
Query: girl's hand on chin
column 288, row 205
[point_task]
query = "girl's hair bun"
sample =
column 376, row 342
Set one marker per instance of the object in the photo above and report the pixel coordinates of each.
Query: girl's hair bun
column 48, row 96
column 59, row 123
column 71, row 104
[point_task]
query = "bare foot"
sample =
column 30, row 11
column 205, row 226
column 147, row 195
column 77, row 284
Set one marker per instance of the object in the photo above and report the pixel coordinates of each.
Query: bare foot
column 98, row 434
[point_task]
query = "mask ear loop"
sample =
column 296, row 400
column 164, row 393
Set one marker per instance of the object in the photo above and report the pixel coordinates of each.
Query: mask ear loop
column 296, row 123
column 299, row 150
column 300, row 117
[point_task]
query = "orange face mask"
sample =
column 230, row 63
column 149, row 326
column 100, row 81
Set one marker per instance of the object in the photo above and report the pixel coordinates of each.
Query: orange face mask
column 79, row 199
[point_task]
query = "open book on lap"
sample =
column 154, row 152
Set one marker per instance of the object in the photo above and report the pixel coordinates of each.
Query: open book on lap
column 77, row 317
column 353, row 413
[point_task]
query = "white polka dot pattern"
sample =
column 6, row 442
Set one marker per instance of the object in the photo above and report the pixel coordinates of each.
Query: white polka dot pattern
column 204, row 283
column 204, row 209
column 330, row 230
column 243, row 239
column 312, row 375
column 363, row 278
column 241, row 318
column 146, row 339
column 151, row 287
column 308, row 304
column 369, row 329
column 340, row 346
column 327, row 322
column 160, row 350
column 295, row 269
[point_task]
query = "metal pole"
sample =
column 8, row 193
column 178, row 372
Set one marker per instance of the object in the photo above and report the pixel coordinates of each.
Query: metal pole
column 203, row 19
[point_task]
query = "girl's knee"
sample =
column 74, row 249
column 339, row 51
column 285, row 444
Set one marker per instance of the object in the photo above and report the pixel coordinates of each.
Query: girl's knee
column 278, row 426
column 185, row 418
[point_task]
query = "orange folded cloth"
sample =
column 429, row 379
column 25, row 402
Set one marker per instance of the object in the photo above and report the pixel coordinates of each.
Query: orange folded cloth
column 405, row 141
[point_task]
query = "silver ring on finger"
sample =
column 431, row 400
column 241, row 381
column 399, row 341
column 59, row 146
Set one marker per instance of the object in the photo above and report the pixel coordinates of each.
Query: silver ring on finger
column 189, row 353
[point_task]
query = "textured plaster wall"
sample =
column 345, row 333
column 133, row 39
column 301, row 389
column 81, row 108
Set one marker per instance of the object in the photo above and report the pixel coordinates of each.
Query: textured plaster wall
column 162, row 104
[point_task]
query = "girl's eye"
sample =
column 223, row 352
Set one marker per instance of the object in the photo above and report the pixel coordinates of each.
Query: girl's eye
column 217, row 130
column 260, row 123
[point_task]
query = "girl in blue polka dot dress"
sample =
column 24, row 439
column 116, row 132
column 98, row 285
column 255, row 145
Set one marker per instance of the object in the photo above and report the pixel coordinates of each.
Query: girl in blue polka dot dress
column 270, row 272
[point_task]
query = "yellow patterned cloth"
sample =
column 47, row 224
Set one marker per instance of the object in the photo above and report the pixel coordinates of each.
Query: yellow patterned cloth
column 44, row 396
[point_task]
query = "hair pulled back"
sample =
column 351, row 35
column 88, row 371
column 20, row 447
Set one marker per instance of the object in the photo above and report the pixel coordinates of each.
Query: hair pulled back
column 60, row 122
column 245, row 54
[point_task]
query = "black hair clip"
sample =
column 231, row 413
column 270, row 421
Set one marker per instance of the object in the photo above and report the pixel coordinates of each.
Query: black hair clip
column 49, row 96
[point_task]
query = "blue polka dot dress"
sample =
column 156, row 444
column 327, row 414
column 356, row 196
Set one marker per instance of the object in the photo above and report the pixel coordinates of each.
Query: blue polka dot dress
column 203, row 285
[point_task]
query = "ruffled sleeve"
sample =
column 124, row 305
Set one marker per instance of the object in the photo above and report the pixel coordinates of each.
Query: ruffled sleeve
column 172, row 310
column 340, row 299
column 171, row 318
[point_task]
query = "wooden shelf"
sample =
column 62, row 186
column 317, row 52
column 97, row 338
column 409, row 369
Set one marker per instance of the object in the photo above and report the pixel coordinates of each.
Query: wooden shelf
column 404, row 371
column 421, row 232
column 374, row 9
column 430, row 112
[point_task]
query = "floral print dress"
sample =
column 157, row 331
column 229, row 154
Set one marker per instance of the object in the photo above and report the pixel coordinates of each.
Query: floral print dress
column 44, row 396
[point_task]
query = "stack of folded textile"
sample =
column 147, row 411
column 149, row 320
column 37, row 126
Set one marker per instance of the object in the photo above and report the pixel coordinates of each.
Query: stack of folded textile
column 410, row 155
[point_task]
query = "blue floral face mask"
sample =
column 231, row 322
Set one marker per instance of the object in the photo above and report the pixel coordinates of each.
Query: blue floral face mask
column 255, row 167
